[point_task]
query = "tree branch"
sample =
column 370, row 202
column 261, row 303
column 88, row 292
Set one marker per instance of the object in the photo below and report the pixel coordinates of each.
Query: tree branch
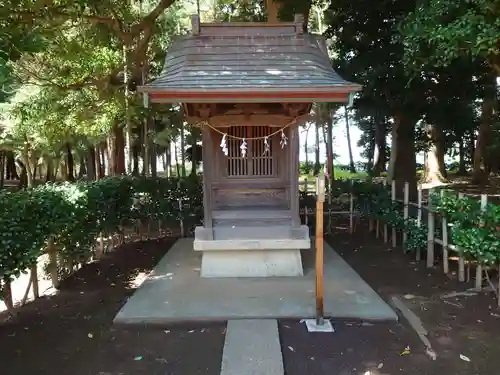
column 151, row 17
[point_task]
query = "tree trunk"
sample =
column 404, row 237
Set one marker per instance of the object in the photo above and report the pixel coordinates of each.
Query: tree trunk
column 435, row 170
column 402, row 165
column 147, row 150
column 154, row 159
column 306, row 145
column 380, row 144
column 116, row 151
column 11, row 166
column 91, row 161
column 329, row 146
column 49, row 169
column 119, row 147
column 70, row 164
column 183, row 151
column 194, row 151
column 272, row 11
column 352, row 168
column 462, row 170
column 2, row 169
column 479, row 174
column 135, row 156
column 317, row 165
column 100, row 161
column 176, row 156
column 168, row 158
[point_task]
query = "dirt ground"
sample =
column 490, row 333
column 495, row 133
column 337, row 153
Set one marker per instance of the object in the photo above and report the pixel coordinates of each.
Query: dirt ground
column 463, row 330
column 71, row 333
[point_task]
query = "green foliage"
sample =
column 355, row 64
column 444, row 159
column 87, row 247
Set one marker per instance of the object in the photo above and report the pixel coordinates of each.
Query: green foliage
column 374, row 200
column 474, row 230
column 73, row 215
column 440, row 31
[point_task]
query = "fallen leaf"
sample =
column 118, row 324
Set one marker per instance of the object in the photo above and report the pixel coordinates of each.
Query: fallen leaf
column 464, row 358
column 138, row 358
column 291, row 349
column 380, row 365
column 405, row 351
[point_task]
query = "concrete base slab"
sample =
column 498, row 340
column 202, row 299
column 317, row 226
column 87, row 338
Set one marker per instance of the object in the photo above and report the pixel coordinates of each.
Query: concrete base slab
column 251, row 263
column 174, row 293
column 252, row 347
column 312, row 326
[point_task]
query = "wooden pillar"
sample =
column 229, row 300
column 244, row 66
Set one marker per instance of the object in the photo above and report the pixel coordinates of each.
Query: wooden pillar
column 294, row 174
column 207, row 155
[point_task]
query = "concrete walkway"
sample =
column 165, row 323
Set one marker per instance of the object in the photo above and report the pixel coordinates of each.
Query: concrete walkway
column 175, row 293
column 252, row 347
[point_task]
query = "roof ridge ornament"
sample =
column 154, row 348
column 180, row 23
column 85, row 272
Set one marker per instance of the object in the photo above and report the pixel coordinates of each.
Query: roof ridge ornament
column 298, row 20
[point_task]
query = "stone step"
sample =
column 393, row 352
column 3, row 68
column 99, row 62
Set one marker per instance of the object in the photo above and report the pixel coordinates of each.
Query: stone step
column 251, row 214
column 252, row 347
column 250, row 233
column 252, row 222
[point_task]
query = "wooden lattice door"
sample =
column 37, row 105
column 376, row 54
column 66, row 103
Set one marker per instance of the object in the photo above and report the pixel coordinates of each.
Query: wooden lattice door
column 258, row 161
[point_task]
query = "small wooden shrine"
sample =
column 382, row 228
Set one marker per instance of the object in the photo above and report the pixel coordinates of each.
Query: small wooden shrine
column 249, row 87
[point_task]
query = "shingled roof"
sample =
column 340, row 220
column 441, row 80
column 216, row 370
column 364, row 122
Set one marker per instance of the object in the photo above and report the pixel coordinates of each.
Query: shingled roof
column 249, row 62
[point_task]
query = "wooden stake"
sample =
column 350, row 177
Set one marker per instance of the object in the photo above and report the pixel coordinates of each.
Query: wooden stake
column 320, row 187
column 444, row 234
column 430, row 233
column 461, row 260
column 393, row 198
column 419, row 220
column 53, row 264
column 351, row 209
column 479, row 267
column 406, row 204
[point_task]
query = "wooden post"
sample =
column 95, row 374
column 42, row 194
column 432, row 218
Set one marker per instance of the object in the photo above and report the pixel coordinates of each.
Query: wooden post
column 461, row 260
column 419, row 219
column 444, row 233
column 386, row 233
column 53, row 266
column 351, row 208
column 479, row 267
column 320, row 198
column 393, row 198
column 430, row 232
column 181, row 220
column 406, row 207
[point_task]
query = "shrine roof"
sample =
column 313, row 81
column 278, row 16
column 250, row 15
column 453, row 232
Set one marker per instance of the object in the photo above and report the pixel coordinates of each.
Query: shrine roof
column 247, row 63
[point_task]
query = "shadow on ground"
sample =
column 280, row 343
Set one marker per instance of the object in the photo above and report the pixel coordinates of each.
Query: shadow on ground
column 463, row 330
column 72, row 333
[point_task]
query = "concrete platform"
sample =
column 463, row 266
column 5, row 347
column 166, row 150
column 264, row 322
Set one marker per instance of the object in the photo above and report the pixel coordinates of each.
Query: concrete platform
column 175, row 293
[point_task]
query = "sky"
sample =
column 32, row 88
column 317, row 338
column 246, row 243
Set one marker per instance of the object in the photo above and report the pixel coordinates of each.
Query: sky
column 339, row 143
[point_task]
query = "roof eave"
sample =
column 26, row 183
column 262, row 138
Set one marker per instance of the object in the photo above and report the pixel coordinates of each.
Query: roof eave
column 339, row 93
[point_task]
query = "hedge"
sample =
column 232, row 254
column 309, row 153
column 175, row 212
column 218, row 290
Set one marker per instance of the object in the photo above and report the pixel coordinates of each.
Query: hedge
column 70, row 217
